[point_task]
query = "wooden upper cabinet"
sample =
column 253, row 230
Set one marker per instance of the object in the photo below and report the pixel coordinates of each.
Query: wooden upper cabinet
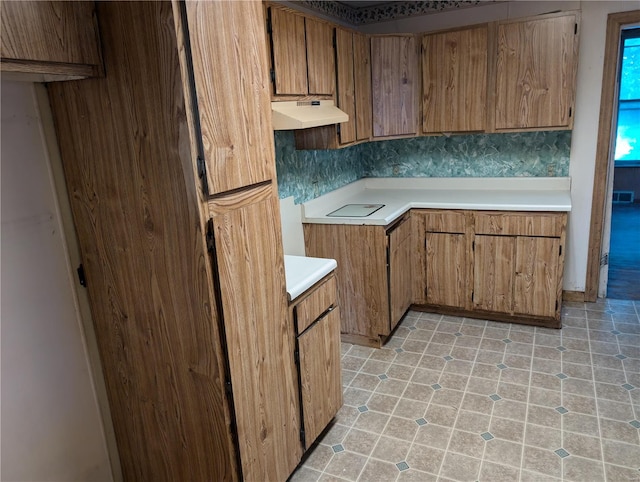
column 58, row 39
column 362, row 77
column 394, row 78
column 235, row 156
column 321, row 65
column 535, row 72
column 454, row 80
column 303, row 57
column 289, row 52
column 346, row 83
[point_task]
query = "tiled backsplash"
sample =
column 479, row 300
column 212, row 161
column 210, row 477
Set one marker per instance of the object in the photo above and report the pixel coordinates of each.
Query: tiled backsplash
column 309, row 174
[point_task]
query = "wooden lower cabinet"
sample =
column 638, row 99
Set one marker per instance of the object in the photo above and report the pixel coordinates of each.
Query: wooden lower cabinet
column 317, row 321
column 371, row 305
column 502, row 265
column 400, row 279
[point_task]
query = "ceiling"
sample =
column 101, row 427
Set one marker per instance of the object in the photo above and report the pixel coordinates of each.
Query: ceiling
column 362, row 12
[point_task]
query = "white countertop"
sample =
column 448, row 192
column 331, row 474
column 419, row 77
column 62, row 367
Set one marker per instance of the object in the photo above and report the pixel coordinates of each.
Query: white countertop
column 401, row 194
column 303, row 272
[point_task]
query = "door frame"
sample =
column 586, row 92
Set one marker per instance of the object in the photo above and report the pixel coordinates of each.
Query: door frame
column 615, row 23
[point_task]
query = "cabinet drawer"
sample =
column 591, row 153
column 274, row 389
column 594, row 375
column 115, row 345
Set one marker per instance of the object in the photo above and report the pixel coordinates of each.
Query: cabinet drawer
column 444, row 221
column 316, row 303
column 520, row 224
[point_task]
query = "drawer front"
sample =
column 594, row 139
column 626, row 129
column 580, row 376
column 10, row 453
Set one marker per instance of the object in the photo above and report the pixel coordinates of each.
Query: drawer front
column 520, row 224
column 317, row 302
column 444, row 221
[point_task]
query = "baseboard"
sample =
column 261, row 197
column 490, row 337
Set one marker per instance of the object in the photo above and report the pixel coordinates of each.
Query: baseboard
column 573, row 296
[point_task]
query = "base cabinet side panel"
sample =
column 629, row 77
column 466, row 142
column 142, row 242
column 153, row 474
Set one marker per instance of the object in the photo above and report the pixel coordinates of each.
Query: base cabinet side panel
column 260, row 339
column 360, row 252
column 320, row 374
column 400, row 272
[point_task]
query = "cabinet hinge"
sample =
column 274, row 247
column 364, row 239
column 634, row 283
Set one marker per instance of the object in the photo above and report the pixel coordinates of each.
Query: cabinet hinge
column 209, row 236
column 335, row 40
column 575, row 29
column 269, row 26
column 202, row 174
column 604, row 260
column 81, row 276
column 472, row 294
column 302, row 437
column 272, row 72
column 228, row 388
column 560, row 253
column 473, row 245
column 570, row 111
column 296, row 357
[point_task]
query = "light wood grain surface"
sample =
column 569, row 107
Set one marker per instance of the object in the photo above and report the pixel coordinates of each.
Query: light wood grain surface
column 401, row 259
column 289, row 52
column 321, row 64
column 346, row 83
column 316, row 303
column 362, row 75
column 493, row 284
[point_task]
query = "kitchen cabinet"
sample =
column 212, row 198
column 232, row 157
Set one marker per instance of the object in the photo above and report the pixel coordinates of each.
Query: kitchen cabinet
column 454, row 80
column 502, row 263
column 50, row 40
column 445, row 268
column 353, row 59
column 316, row 317
column 518, row 261
column 400, row 271
column 536, row 71
column 302, row 53
column 370, row 259
column 394, row 85
column 183, row 259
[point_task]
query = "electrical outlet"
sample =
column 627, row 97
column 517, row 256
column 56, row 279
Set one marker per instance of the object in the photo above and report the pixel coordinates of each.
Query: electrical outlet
column 396, row 169
column 551, row 170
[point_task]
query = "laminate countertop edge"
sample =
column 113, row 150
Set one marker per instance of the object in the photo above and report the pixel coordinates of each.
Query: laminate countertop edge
column 302, row 272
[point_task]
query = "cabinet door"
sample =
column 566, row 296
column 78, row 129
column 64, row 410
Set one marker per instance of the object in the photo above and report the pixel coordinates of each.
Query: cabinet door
column 536, row 276
column 320, row 374
column 394, row 73
column 346, row 84
column 259, row 337
column 454, row 80
column 446, row 269
column 232, row 98
column 362, row 75
column 289, row 52
column 321, row 65
column 400, row 279
column 535, row 72
column 493, row 273
column 36, row 34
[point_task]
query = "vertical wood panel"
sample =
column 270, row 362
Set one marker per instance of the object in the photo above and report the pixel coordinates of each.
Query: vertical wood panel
column 535, row 73
column 454, row 80
column 321, row 64
column 446, row 269
column 537, row 263
column 231, row 34
column 400, row 273
column 129, row 173
column 493, row 273
column 260, row 339
column 320, row 374
column 362, row 273
column 346, row 86
column 289, row 52
column 362, row 74
column 394, row 74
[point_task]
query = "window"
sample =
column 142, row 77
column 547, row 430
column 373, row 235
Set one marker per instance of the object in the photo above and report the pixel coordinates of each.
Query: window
column 627, row 147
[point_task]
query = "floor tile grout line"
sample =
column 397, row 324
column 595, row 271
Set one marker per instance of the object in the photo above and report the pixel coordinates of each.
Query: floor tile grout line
column 595, row 397
column 526, row 414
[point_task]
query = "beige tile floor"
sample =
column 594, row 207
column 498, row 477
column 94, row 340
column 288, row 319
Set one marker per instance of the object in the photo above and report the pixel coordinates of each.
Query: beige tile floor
column 460, row 399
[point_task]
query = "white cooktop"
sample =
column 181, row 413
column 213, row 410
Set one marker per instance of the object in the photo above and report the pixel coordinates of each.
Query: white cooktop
column 356, row 210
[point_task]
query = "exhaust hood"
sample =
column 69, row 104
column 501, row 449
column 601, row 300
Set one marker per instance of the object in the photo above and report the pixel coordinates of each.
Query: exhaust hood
column 305, row 114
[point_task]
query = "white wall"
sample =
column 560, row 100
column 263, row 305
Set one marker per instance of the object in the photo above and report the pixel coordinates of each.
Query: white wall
column 51, row 425
column 589, row 86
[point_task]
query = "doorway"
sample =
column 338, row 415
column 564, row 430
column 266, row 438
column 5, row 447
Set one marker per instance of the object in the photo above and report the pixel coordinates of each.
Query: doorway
column 606, row 231
column 623, row 280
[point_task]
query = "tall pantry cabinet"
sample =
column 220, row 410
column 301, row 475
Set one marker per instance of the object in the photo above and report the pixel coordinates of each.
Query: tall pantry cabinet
column 170, row 169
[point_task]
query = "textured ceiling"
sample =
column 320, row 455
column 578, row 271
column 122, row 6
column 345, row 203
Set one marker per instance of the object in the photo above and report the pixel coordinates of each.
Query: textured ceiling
column 367, row 12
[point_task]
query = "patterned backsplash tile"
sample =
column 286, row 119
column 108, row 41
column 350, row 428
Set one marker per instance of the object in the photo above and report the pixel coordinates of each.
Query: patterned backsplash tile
column 309, row 174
